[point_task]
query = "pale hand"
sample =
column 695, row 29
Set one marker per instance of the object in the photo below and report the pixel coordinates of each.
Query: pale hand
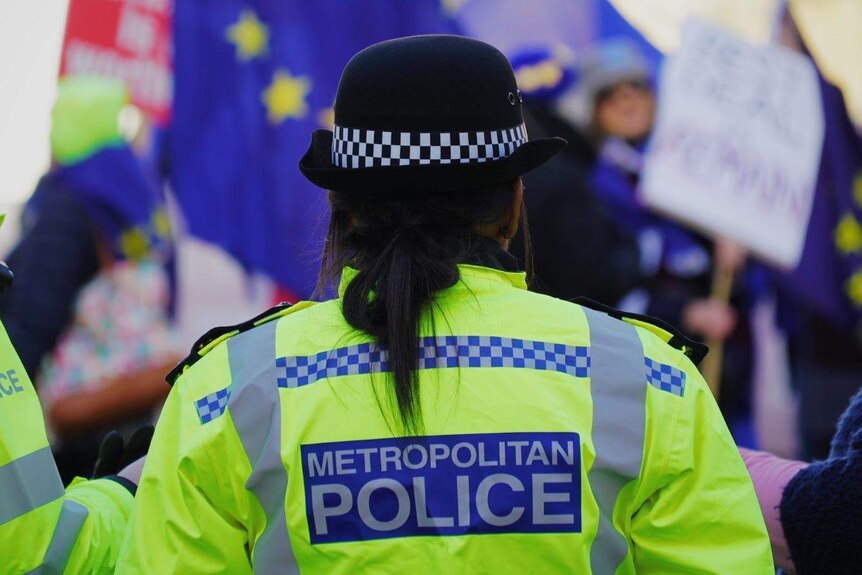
column 709, row 318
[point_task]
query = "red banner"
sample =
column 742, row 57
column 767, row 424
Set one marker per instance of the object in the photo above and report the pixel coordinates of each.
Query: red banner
column 126, row 39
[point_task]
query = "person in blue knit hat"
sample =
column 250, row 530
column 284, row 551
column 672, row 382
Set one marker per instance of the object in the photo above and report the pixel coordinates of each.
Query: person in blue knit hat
column 561, row 196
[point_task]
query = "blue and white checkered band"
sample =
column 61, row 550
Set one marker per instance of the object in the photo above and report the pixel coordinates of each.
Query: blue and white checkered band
column 442, row 352
column 361, row 148
column 213, row 405
column 665, row 377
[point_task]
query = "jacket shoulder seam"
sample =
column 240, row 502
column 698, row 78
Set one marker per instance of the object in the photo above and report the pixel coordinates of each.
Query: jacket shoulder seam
column 217, row 335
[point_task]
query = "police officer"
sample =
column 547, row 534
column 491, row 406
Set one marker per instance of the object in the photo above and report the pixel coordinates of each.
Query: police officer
column 44, row 528
column 437, row 417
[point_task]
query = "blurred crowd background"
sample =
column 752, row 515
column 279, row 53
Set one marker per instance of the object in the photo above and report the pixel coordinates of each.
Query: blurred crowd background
column 713, row 180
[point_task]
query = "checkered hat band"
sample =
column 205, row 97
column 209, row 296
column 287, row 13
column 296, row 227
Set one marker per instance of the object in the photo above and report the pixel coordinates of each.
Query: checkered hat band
column 360, row 148
column 665, row 377
column 437, row 353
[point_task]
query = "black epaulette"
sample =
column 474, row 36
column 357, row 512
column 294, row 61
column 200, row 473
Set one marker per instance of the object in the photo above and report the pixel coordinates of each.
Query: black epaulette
column 695, row 350
column 214, row 334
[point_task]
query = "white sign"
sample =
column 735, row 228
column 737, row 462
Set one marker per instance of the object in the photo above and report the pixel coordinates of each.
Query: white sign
column 737, row 142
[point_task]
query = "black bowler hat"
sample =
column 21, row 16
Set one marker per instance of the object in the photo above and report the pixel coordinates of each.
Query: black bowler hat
column 425, row 114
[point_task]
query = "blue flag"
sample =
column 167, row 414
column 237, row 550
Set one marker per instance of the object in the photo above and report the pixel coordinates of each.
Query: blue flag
column 513, row 25
column 121, row 199
column 253, row 79
column 828, row 278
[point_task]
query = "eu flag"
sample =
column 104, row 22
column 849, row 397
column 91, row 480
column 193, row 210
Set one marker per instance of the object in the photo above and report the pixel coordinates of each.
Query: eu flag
column 829, row 275
column 515, row 25
column 253, row 79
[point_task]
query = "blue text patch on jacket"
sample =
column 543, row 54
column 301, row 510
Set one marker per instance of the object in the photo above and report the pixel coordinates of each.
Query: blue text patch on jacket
column 443, row 485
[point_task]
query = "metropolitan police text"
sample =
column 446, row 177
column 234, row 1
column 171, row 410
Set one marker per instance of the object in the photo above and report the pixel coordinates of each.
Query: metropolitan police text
column 451, row 485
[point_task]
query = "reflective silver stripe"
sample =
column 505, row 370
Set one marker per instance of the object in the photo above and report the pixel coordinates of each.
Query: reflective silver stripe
column 72, row 518
column 255, row 408
column 27, row 483
column 619, row 414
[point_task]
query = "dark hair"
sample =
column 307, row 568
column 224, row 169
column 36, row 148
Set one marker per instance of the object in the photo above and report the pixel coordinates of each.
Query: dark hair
column 405, row 249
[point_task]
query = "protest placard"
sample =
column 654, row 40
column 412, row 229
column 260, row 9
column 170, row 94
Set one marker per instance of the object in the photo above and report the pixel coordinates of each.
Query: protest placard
column 737, row 142
column 126, row 39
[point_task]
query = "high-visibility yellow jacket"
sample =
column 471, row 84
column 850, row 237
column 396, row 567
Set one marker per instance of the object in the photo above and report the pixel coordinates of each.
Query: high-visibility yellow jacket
column 44, row 528
column 557, row 440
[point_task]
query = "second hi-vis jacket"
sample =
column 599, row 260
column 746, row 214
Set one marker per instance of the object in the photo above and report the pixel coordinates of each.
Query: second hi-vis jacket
column 45, row 529
column 557, row 440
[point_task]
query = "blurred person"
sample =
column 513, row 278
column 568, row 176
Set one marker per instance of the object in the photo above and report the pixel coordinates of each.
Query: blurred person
column 90, row 308
column 617, row 81
column 437, row 400
column 676, row 265
column 588, row 190
column 574, row 227
column 812, row 510
column 44, row 528
column 571, row 230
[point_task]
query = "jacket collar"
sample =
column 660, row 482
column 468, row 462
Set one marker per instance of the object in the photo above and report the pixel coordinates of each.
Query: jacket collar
column 487, row 263
column 488, row 253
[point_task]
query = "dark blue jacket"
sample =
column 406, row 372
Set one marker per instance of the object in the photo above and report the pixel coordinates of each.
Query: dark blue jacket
column 55, row 257
column 821, row 509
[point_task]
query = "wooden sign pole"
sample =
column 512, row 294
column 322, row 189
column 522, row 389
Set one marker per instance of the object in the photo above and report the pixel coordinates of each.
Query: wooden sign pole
column 722, row 285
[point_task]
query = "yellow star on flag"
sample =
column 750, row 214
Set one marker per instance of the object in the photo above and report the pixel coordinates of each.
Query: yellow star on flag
column 162, row 224
column 854, row 288
column 249, row 35
column 285, row 96
column 134, row 244
column 848, row 235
